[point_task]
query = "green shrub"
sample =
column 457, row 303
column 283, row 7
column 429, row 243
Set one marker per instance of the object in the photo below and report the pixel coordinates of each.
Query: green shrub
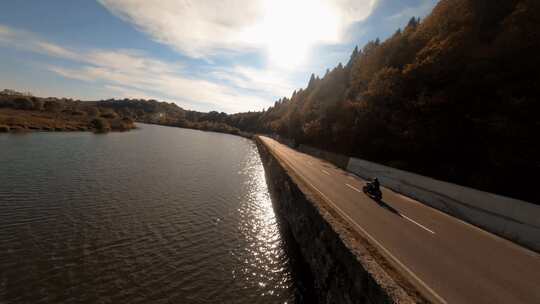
column 23, row 103
column 38, row 104
column 92, row 111
column 53, row 106
column 100, row 125
column 109, row 114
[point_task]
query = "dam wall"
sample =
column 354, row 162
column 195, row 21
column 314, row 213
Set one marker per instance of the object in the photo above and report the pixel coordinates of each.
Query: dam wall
column 344, row 267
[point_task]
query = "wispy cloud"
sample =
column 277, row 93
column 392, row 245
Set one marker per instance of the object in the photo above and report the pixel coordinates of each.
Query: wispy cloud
column 282, row 30
column 133, row 71
column 197, row 28
column 25, row 40
column 203, row 28
column 271, row 82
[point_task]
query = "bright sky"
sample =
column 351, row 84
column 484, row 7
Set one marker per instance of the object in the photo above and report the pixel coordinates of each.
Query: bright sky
column 224, row 55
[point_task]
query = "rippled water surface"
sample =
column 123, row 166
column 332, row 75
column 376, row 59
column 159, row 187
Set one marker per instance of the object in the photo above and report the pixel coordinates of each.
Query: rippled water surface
column 156, row 215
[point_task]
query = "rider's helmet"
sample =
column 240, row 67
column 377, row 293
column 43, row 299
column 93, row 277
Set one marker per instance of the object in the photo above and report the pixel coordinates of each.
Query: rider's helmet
column 376, row 180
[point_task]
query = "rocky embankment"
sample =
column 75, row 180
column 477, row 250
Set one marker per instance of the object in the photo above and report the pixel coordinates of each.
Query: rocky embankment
column 345, row 268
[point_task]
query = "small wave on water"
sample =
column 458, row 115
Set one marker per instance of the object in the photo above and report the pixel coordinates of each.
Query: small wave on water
column 158, row 215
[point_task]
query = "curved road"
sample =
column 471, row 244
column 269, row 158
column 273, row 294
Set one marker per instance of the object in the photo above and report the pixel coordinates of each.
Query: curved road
column 450, row 261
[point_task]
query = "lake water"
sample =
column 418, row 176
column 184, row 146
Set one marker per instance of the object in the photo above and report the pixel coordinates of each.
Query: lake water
column 155, row 215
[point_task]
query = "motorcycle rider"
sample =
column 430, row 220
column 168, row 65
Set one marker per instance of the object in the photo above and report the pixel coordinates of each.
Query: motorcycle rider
column 375, row 185
column 372, row 189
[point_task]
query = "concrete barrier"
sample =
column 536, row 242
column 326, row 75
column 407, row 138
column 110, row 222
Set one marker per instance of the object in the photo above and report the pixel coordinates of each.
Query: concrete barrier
column 513, row 219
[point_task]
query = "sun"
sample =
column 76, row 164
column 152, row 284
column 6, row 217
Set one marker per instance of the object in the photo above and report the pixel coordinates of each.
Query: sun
column 288, row 30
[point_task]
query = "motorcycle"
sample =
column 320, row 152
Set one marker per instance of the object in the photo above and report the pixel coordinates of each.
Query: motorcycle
column 373, row 192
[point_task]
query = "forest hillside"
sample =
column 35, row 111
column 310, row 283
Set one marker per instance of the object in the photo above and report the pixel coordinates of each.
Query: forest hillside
column 453, row 96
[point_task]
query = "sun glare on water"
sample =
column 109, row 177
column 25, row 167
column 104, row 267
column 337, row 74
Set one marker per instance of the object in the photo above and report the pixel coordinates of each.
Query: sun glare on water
column 289, row 29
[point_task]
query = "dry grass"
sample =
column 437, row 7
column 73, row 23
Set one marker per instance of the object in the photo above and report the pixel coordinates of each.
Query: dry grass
column 47, row 121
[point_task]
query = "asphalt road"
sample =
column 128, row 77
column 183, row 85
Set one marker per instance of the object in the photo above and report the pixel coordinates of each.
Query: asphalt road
column 449, row 260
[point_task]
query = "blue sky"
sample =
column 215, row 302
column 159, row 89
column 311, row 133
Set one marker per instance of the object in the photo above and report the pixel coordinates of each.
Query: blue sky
column 228, row 55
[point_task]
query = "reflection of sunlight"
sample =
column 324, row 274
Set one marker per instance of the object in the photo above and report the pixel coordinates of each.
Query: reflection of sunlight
column 266, row 262
column 289, row 29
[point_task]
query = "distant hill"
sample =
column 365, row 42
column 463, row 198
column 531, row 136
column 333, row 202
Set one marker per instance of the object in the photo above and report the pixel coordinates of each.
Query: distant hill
column 22, row 112
column 25, row 112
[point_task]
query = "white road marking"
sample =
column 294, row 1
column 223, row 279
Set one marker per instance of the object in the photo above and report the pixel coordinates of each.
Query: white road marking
column 325, row 172
column 401, row 214
column 354, row 188
column 484, row 232
column 372, row 239
column 415, row 222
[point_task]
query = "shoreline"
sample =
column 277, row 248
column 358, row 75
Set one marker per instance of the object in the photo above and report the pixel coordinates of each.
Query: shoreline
column 22, row 121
